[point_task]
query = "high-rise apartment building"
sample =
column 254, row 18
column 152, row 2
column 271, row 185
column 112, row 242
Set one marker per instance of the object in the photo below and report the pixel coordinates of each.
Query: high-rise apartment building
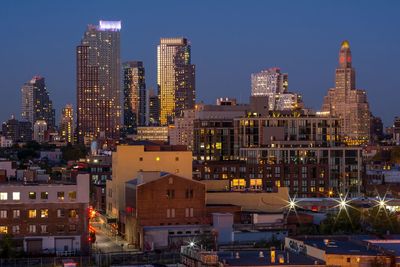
column 67, row 124
column 273, row 85
column 98, row 82
column 175, row 78
column 36, row 103
column 134, row 96
column 347, row 102
column 17, row 131
column 154, row 108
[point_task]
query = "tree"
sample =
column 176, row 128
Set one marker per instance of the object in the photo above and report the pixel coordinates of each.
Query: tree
column 346, row 221
column 73, row 152
column 381, row 220
column 7, row 246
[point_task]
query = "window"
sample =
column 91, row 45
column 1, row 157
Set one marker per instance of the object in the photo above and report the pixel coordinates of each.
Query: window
column 186, row 212
column 170, row 193
column 176, row 158
column 3, row 195
column 16, row 195
column 168, row 213
column 15, row 229
column 44, row 213
column 191, row 212
column 3, row 229
column 72, row 195
column 72, row 227
column 3, row 214
column 32, row 228
column 32, row 214
column 32, row 195
column 44, row 195
column 60, row 228
column 16, row 214
column 60, row 213
column 60, row 195
column 72, row 214
column 189, row 193
column 172, row 213
column 43, row 228
column 140, row 159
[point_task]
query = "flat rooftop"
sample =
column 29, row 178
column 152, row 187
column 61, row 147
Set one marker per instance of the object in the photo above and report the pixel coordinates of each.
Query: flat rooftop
column 251, row 258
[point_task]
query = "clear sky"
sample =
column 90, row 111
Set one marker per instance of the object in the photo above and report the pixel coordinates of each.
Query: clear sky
column 230, row 40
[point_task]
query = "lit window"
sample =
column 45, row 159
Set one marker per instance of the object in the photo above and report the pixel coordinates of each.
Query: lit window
column 43, row 228
column 3, row 195
column 44, row 213
column 3, row 214
column 72, row 195
column 32, row 213
column 157, row 158
column 32, row 195
column 60, row 213
column 60, row 195
column 44, row 195
column 32, row 229
column 3, row 229
column 16, row 214
column 73, row 214
column 16, row 195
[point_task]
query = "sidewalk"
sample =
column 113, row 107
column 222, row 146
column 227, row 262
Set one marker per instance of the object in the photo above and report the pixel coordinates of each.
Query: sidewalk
column 115, row 239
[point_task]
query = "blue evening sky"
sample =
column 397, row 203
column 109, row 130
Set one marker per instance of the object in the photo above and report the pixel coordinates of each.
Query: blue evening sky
column 230, row 40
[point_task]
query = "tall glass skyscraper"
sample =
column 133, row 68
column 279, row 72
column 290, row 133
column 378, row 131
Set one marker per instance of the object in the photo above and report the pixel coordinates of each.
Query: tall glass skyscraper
column 175, row 78
column 36, row 103
column 134, row 96
column 98, row 82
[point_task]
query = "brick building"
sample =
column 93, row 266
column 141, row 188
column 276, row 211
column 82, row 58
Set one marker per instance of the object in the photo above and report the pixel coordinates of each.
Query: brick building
column 46, row 217
column 164, row 210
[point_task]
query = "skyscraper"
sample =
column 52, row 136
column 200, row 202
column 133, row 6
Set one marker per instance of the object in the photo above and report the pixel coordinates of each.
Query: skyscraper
column 67, row 124
column 175, row 78
column 154, row 108
column 98, row 82
column 36, row 103
column 273, row 85
column 134, row 96
column 347, row 102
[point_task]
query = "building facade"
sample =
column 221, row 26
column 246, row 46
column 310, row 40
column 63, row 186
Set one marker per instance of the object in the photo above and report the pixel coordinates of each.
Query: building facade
column 175, row 78
column 36, row 103
column 154, row 109
column 67, row 124
column 164, row 210
column 46, row 217
column 98, row 82
column 17, row 131
column 128, row 160
column 134, row 96
column 347, row 102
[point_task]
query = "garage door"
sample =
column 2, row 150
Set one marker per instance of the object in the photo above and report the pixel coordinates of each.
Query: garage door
column 34, row 246
column 64, row 244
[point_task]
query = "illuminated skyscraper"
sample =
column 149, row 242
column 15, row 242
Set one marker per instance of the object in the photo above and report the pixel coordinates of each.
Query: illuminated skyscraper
column 67, row 124
column 347, row 102
column 98, row 82
column 175, row 78
column 134, row 96
column 36, row 103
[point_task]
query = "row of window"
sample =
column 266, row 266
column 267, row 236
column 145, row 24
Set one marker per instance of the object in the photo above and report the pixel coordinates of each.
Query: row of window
column 33, row 229
column 188, row 213
column 33, row 195
column 188, row 193
column 39, row 213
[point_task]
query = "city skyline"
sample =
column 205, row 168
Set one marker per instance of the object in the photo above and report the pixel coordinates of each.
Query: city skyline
column 318, row 49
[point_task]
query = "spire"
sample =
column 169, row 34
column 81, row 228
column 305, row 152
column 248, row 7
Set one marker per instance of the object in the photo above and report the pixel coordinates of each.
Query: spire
column 345, row 55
